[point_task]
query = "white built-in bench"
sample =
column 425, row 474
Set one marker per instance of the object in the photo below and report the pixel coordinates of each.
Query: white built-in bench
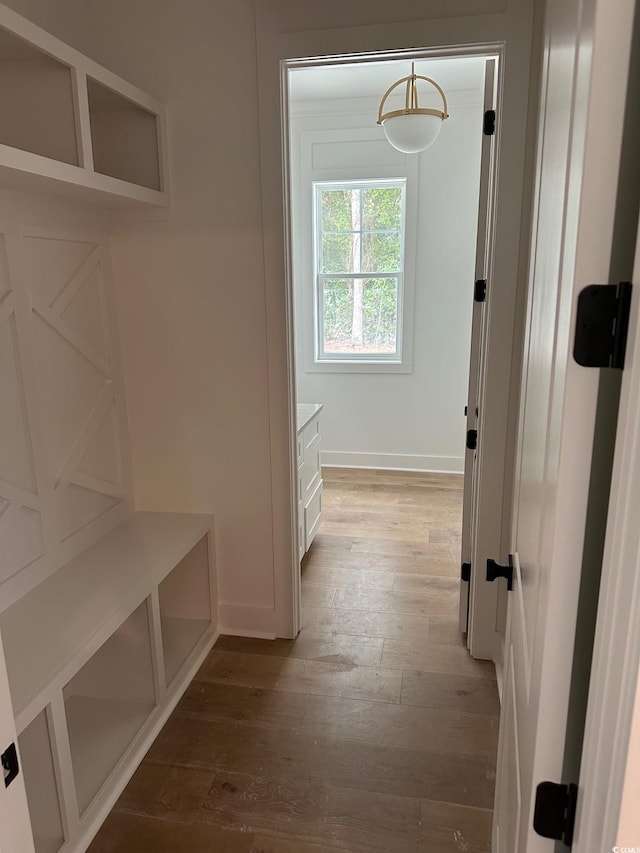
column 98, row 655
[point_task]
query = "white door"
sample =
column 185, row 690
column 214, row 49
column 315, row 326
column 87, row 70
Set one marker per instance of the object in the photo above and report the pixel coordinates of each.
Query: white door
column 478, row 332
column 15, row 826
column 584, row 77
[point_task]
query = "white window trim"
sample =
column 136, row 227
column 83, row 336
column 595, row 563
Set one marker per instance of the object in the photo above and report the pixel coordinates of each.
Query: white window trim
column 320, row 356
column 306, row 268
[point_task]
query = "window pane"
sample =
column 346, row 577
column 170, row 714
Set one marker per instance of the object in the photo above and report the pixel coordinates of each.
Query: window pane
column 340, row 253
column 380, row 253
column 382, row 208
column 360, row 316
column 337, row 310
column 336, row 210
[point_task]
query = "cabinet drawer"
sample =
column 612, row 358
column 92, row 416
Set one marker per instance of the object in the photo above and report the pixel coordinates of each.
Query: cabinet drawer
column 311, row 468
column 310, row 432
column 313, row 514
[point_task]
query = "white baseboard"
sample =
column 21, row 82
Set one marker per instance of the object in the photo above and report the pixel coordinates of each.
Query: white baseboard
column 240, row 621
column 394, row 461
column 254, row 635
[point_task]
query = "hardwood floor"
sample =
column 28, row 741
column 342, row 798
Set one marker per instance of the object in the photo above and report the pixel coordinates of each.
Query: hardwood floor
column 373, row 731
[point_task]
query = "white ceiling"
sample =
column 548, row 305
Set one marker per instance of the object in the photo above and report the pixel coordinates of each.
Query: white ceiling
column 372, row 79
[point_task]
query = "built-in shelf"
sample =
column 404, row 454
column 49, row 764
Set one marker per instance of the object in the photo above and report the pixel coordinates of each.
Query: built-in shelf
column 107, row 702
column 71, row 127
column 40, row 781
column 124, row 138
column 185, row 609
column 179, row 637
column 36, row 101
column 97, row 657
column 79, row 606
column 100, row 730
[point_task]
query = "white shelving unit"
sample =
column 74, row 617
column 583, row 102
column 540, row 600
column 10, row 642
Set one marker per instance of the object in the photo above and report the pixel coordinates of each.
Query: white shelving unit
column 124, row 138
column 97, row 656
column 42, row 785
column 107, row 702
column 70, row 126
column 185, row 610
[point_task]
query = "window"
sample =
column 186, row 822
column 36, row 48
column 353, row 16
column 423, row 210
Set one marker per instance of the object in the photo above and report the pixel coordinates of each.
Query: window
column 359, row 261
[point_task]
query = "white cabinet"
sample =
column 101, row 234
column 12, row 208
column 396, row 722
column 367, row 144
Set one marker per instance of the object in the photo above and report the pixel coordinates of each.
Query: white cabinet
column 71, row 127
column 309, row 474
column 97, row 657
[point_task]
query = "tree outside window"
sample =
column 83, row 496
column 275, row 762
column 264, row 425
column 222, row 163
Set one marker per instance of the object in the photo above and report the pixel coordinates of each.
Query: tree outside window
column 359, row 269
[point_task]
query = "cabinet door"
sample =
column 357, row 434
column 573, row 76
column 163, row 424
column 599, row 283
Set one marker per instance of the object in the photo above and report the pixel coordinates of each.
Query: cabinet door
column 15, row 836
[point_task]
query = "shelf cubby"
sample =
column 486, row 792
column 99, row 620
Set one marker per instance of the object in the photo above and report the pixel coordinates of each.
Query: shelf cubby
column 89, row 642
column 107, row 702
column 41, row 783
column 124, row 138
column 185, row 608
column 71, row 127
column 36, row 101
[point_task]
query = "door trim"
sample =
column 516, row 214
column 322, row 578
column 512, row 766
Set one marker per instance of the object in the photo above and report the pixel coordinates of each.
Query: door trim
column 491, row 51
column 616, row 658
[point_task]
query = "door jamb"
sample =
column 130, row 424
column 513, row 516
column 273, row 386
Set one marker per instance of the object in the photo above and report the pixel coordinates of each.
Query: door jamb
column 612, row 703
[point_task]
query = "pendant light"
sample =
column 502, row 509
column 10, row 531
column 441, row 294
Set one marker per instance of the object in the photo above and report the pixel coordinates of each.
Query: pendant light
column 413, row 128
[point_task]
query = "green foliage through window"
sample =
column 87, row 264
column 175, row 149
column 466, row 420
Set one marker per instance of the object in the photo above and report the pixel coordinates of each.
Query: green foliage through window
column 360, row 242
column 379, row 307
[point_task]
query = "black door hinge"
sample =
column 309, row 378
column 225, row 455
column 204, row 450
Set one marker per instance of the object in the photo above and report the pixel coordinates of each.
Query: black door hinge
column 495, row 571
column 554, row 812
column 489, row 124
column 480, row 290
column 472, row 439
column 602, row 322
column 465, row 574
column 10, row 768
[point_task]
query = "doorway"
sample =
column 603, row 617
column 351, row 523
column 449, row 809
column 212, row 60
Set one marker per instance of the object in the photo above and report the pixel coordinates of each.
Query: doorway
column 405, row 410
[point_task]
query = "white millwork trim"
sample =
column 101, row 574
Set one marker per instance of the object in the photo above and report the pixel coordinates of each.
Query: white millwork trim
column 394, row 461
column 616, row 656
column 240, row 621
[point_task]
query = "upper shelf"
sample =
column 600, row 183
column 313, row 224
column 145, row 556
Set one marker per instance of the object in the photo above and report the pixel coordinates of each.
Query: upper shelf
column 70, row 126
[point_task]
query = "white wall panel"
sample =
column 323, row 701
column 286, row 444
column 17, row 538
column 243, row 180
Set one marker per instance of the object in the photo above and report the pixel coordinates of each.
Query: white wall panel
column 62, row 472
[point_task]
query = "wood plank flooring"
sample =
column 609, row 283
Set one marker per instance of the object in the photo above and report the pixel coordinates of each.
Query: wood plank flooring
column 373, row 731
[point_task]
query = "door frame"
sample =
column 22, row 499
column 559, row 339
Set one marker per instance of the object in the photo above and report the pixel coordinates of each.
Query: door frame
column 475, row 384
column 482, row 608
column 333, row 31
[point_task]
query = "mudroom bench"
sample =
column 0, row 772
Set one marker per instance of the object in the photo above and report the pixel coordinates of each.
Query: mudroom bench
column 98, row 655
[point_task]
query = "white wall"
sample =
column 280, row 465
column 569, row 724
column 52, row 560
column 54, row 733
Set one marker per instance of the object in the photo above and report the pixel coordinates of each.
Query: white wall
column 65, row 475
column 396, row 420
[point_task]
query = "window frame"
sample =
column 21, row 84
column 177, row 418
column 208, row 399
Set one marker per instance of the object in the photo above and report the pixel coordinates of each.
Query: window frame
column 313, row 165
column 320, row 355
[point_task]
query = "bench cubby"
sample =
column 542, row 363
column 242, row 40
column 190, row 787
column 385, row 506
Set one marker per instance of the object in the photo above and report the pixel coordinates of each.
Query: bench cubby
column 127, row 624
column 41, row 782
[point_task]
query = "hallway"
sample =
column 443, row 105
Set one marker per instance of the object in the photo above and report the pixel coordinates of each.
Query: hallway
column 373, row 731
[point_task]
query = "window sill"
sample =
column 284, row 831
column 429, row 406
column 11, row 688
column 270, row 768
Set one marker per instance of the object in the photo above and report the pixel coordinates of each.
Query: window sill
column 358, row 367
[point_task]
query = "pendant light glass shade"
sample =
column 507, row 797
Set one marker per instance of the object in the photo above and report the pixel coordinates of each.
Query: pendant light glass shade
column 414, row 128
